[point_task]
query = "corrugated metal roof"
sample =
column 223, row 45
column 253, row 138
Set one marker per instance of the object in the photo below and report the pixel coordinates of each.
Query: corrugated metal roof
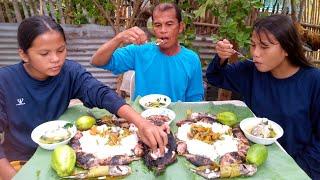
column 82, row 42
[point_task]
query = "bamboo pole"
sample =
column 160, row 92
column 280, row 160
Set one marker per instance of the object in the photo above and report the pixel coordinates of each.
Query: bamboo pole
column 312, row 11
column 68, row 11
column 44, row 5
column 25, row 10
column 8, row 12
column 118, row 3
column 136, row 8
column 274, row 6
column 16, row 10
column 62, row 20
column 306, row 11
column 33, row 10
column 318, row 12
column 2, row 19
column 41, row 7
column 284, row 7
column 293, row 11
column 311, row 25
column 301, row 10
column 52, row 11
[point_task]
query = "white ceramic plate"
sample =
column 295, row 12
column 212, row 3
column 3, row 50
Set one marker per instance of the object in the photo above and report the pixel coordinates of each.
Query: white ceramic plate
column 47, row 126
column 160, row 111
column 247, row 124
column 154, row 101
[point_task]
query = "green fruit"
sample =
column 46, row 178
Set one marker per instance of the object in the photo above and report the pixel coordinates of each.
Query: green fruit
column 257, row 154
column 85, row 122
column 227, row 118
column 63, row 160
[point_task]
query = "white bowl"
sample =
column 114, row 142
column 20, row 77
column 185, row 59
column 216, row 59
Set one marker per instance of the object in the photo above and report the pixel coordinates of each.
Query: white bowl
column 47, row 126
column 159, row 111
column 247, row 124
column 154, row 101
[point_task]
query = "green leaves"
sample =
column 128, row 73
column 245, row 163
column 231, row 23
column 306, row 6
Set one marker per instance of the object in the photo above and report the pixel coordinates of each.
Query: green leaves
column 231, row 15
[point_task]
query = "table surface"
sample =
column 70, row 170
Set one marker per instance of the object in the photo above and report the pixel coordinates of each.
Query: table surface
column 279, row 164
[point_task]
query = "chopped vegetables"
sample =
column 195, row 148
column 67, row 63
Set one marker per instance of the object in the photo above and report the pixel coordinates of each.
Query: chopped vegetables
column 204, row 134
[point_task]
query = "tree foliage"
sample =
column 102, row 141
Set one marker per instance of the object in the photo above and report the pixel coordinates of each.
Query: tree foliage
column 232, row 15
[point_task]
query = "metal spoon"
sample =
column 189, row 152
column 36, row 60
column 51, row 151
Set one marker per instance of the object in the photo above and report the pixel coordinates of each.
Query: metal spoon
column 241, row 55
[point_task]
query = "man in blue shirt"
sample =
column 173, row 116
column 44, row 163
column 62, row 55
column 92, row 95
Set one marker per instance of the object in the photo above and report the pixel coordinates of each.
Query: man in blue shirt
column 166, row 68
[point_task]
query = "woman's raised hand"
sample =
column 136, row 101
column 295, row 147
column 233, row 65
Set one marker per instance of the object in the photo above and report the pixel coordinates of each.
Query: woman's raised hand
column 224, row 49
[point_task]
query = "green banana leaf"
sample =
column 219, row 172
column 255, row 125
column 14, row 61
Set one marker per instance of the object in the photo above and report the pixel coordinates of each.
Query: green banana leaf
column 279, row 164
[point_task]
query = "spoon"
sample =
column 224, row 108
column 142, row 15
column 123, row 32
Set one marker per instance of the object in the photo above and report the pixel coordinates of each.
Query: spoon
column 241, row 55
column 158, row 42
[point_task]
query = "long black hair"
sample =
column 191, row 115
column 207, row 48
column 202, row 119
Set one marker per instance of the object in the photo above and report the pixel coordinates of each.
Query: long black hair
column 34, row 26
column 283, row 29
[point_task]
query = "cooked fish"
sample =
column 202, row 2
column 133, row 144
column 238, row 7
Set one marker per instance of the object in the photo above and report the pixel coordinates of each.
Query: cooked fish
column 159, row 164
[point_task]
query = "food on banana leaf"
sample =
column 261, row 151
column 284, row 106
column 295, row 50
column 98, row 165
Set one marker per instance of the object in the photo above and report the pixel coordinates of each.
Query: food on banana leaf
column 118, row 170
column 216, row 149
column 158, row 120
column 107, row 145
column 227, row 118
column 63, row 160
column 100, row 172
column 257, row 154
column 158, row 162
column 85, row 122
column 227, row 171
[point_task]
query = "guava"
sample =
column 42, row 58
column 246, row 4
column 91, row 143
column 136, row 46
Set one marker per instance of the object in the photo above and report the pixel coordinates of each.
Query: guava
column 63, row 160
column 227, row 118
column 257, row 154
column 85, row 122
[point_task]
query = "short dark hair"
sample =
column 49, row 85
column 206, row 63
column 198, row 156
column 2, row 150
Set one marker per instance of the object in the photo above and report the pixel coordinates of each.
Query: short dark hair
column 283, row 29
column 34, row 26
column 166, row 6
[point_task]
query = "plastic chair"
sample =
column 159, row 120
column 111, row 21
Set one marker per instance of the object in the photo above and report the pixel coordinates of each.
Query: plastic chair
column 132, row 86
column 127, row 84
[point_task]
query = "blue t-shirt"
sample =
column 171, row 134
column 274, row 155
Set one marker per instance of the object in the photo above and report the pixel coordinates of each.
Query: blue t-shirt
column 178, row 76
column 293, row 102
column 26, row 103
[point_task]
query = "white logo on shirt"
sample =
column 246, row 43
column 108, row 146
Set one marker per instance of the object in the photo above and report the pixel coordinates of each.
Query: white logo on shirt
column 20, row 102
